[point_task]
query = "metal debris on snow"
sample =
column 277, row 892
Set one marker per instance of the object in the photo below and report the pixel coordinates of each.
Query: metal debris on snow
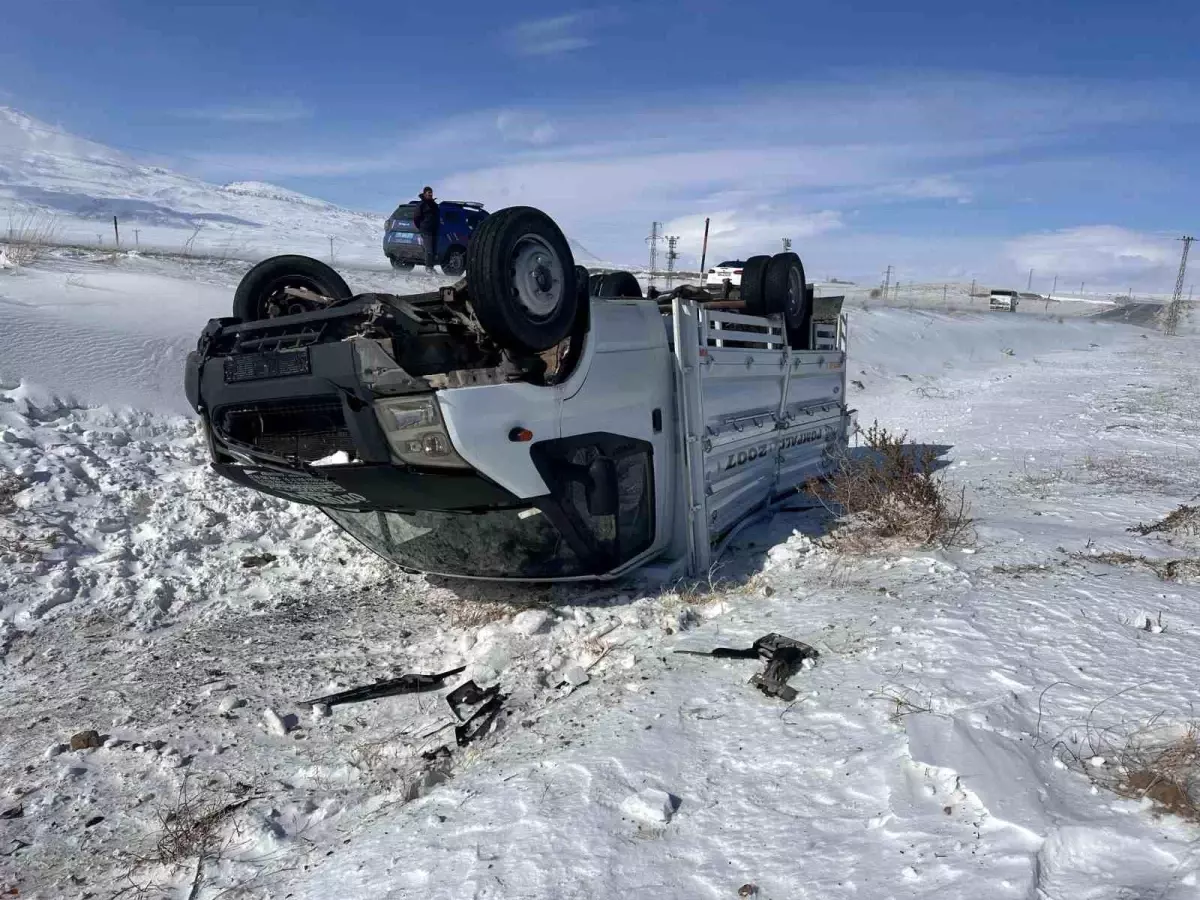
column 784, row 657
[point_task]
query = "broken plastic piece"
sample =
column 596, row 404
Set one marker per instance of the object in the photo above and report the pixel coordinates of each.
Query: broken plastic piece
column 784, row 657
column 404, row 684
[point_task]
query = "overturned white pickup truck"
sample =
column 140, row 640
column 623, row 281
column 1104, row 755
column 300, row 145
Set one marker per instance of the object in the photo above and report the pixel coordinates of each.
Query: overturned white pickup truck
column 530, row 422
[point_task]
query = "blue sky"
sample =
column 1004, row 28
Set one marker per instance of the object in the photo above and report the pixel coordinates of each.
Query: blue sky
column 941, row 137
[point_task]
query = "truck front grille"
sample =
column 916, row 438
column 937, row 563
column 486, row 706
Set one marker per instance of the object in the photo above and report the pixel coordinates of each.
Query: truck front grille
column 298, row 430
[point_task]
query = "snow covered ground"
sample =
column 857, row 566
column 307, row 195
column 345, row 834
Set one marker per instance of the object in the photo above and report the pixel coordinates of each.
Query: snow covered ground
column 931, row 752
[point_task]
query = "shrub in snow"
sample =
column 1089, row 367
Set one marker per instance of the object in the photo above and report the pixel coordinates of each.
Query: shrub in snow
column 889, row 491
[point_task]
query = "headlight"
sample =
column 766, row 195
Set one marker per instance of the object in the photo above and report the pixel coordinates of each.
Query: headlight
column 414, row 429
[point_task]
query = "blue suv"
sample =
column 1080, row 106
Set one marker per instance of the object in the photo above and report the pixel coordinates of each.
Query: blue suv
column 459, row 219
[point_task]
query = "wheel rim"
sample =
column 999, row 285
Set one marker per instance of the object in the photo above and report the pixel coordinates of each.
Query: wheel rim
column 537, row 275
column 455, row 263
column 795, row 291
column 275, row 302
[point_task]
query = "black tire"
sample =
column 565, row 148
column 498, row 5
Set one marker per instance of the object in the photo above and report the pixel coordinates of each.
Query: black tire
column 400, row 265
column 521, row 278
column 787, row 293
column 260, row 294
column 581, row 284
column 619, row 284
column 593, row 284
column 754, row 277
column 455, row 262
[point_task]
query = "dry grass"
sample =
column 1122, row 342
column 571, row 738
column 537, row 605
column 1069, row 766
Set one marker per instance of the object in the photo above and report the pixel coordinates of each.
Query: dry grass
column 1123, row 469
column 193, row 826
column 13, row 541
column 903, row 702
column 1019, row 570
column 892, row 495
column 1175, row 569
column 197, row 829
column 1184, row 520
column 29, row 237
column 1155, row 762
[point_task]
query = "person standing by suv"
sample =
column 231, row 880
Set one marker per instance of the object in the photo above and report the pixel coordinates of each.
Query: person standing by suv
column 426, row 219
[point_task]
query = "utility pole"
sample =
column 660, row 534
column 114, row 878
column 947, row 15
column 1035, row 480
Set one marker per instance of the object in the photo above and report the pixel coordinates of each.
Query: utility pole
column 1029, row 287
column 137, row 237
column 116, row 232
column 787, row 245
column 887, row 282
column 672, row 240
column 971, row 296
column 1175, row 310
column 1055, row 288
column 1081, row 290
column 653, row 240
column 704, row 250
column 945, row 287
column 331, row 250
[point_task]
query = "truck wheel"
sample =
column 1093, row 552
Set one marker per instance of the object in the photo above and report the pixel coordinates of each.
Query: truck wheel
column 593, row 284
column 400, row 265
column 581, row 284
column 754, row 277
column 521, row 279
column 619, row 284
column 455, row 262
column 787, row 293
column 261, row 294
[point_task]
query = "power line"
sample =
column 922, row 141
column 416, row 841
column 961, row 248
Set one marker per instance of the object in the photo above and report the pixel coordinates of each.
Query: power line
column 1175, row 310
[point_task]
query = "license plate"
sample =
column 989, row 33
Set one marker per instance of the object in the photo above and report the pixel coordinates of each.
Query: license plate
column 256, row 366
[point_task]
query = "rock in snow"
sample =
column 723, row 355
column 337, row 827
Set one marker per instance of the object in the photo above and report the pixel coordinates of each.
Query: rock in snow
column 274, row 723
column 650, row 807
column 531, row 622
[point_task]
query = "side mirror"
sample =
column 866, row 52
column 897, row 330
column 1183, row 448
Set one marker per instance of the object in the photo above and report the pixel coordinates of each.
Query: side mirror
column 601, row 490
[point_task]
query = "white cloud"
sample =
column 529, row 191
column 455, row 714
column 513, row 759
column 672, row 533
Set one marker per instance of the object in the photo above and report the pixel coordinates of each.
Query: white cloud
column 829, row 162
column 265, row 113
column 525, row 127
column 733, row 233
column 550, row 36
column 1099, row 255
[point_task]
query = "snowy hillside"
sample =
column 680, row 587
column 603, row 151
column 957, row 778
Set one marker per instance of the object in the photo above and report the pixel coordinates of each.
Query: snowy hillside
column 74, row 186
column 80, row 185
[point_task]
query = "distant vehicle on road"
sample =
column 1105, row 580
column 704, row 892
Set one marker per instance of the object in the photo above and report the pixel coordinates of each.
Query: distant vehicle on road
column 459, row 219
column 1003, row 300
column 730, row 271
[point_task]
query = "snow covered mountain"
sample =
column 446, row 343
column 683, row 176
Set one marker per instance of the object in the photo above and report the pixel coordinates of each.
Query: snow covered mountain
column 76, row 186
column 80, row 185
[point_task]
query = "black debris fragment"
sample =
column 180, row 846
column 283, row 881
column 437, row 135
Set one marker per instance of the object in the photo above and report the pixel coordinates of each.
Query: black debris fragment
column 784, row 657
column 404, row 684
column 475, row 708
column 15, row 813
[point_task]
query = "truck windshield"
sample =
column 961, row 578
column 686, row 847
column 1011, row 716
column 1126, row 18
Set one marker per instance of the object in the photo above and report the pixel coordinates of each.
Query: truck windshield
column 507, row 543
